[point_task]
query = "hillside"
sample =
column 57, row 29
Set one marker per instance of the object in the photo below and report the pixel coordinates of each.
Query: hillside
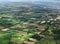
column 29, row 23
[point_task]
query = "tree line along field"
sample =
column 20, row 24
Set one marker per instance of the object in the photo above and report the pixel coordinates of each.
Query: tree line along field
column 29, row 25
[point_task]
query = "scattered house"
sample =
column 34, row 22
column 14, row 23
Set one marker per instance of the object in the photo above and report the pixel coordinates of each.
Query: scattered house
column 28, row 42
column 27, row 13
column 55, row 19
column 24, row 27
column 57, row 22
column 23, row 33
column 15, row 10
column 41, row 35
column 25, row 42
column 38, row 21
column 20, row 16
column 6, row 17
column 6, row 29
column 32, row 18
column 32, row 24
column 52, row 22
column 42, row 22
column 25, row 23
column 1, row 27
column 0, row 17
column 51, row 19
column 41, row 28
column 25, row 30
column 58, row 18
column 45, row 7
column 32, row 39
column 18, row 25
column 17, row 31
column 38, row 33
column 48, row 21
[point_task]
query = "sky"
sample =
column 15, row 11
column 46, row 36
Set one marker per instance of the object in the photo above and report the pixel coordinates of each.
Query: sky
column 30, row 0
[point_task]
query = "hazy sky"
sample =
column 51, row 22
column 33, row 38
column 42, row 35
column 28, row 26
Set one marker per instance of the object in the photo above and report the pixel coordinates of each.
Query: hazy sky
column 30, row 0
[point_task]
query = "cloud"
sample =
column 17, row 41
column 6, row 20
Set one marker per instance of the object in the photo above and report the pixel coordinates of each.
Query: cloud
column 35, row 0
column 23, row 0
column 27, row 0
column 32, row 0
column 57, row 0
